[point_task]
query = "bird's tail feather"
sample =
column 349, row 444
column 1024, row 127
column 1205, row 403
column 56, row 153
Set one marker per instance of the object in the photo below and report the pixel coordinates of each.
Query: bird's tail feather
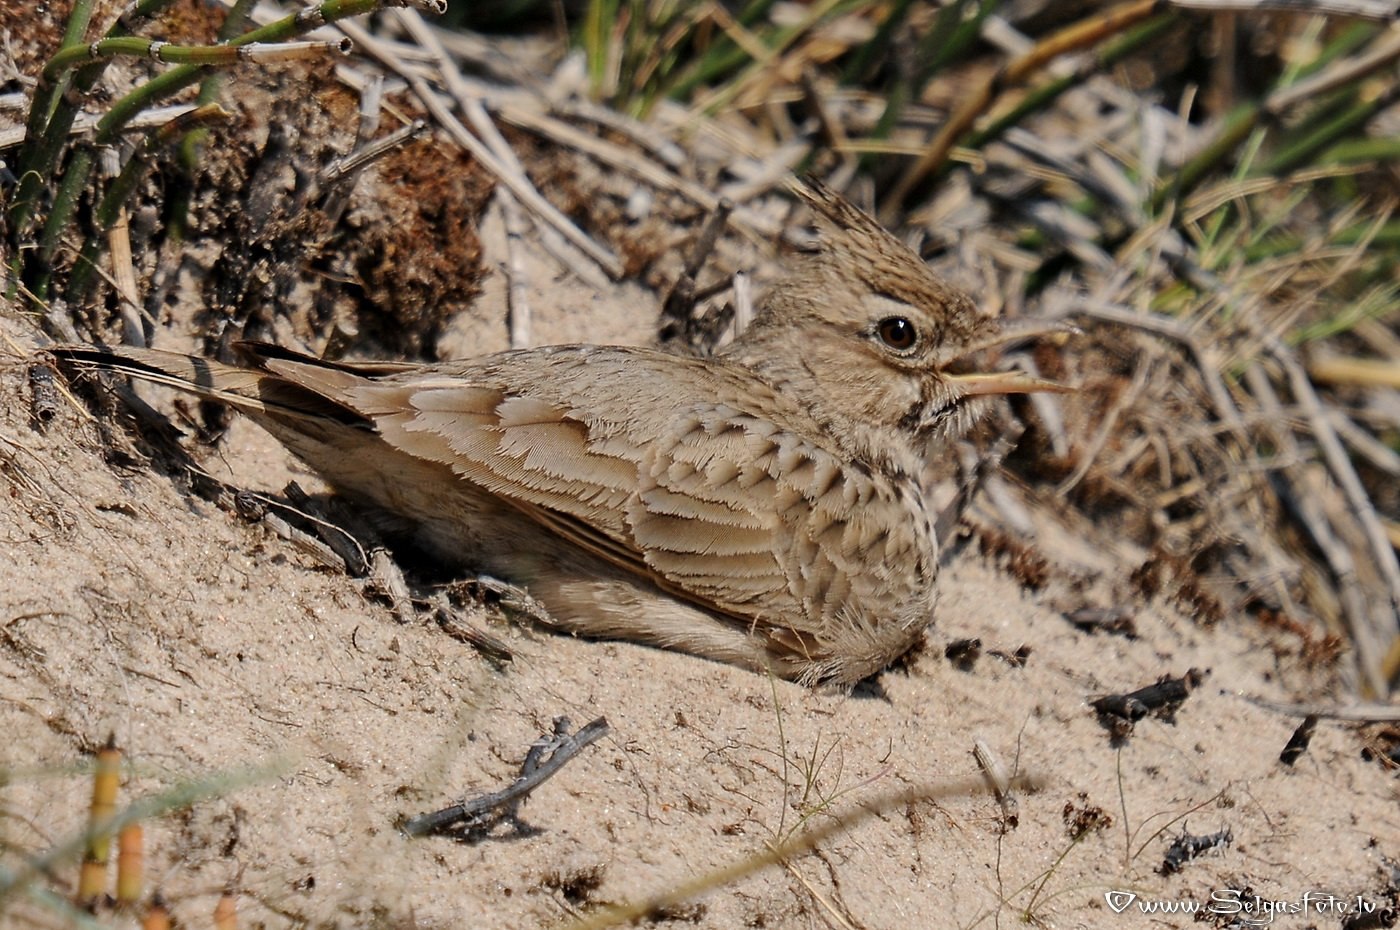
column 255, row 390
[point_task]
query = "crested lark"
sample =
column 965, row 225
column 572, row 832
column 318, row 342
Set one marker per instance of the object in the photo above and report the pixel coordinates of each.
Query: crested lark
column 761, row 507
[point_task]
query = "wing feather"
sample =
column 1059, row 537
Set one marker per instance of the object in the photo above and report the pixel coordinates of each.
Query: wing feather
column 730, row 500
column 696, row 475
column 693, row 474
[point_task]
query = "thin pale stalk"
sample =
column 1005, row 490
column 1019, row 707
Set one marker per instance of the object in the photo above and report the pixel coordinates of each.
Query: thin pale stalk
column 1041, row 96
column 221, row 56
column 187, row 158
column 179, row 797
column 75, row 179
column 837, row 823
column 732, row 56
column 35, row 157
column 121, row 189
column 39, row 159
column 1312, row 139
column 1082, row 34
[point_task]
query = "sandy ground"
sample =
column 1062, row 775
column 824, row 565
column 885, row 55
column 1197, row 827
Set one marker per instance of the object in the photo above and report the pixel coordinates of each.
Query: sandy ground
column 310, row 721
column 215, row 650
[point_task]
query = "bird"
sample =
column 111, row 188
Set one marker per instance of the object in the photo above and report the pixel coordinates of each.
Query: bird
column 761, row 506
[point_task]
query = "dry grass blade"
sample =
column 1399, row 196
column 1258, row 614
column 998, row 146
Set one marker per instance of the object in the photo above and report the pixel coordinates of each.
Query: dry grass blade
column 1387, row 623
column 515, row 181
column 1345, row 72
column 1210, row 195
column 1309, row 512
column 1075, row 37
column 1359, row 713
column 1356, row 371
column 87, row 122
column 1383, row 10
column 807, row 840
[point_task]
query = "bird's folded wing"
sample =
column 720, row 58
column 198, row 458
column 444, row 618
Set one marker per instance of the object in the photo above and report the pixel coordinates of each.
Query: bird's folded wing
column 750, row 515
column 715, row 502
column 702, row 480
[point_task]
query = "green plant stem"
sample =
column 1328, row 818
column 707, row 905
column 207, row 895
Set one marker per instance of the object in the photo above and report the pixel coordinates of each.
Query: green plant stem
column 35, row 156
column 48, row 93
column 1042, row 95
column 178, row 78
column 597, row 24
column 945, row 39
column 1387, row 237
column 1234, row 129
column 75, row 179
column 39, row 158
column 721, row 59
column 1302, row 147
column 754, row 11
column 137, row 47
column 868, row 56
column 1360, row 151
column 728, row 57
column 121, row 189
column 64, row 203
column 135, row 167
column 952, row 35
column 1352, row 37
column 187, row 156
column 1243, row 119
column 44, row 156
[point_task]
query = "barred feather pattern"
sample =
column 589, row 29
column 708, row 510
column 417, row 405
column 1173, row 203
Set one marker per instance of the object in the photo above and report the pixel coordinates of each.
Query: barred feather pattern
column 756, row 507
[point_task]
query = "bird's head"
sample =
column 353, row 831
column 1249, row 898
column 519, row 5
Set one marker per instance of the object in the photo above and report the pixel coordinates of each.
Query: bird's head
column 864, row 329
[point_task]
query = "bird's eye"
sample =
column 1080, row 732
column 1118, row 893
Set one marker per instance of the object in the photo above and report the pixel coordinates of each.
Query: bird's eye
column 897, row 333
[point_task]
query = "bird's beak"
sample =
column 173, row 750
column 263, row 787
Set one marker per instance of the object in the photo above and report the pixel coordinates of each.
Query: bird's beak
column 1000, row 334
column 1004, row 382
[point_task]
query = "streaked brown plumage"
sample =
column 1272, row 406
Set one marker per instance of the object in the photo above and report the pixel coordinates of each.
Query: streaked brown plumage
column 757, row 508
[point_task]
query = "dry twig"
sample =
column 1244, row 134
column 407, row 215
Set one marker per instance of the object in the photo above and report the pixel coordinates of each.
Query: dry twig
column 472, row 819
